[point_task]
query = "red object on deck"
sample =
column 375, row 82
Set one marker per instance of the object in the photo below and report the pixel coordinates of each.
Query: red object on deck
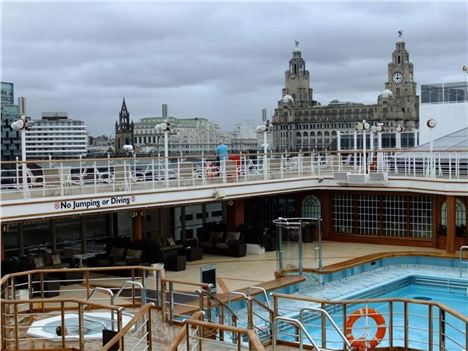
column 238, row 161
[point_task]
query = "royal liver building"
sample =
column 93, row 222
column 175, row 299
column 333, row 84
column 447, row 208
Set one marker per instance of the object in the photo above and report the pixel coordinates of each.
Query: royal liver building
column 300, row 123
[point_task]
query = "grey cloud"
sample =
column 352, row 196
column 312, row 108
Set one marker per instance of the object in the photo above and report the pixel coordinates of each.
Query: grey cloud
column 221, row 61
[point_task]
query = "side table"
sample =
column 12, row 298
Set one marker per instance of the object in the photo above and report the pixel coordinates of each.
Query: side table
column 193, row 253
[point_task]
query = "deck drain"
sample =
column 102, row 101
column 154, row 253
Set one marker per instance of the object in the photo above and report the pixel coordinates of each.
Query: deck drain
column 423, row 298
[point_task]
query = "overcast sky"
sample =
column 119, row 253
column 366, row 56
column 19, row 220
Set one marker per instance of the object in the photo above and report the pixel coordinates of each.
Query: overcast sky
column 221, row 61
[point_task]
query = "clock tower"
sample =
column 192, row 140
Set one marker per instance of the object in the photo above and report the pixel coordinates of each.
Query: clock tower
column 297, row 84
column 405, row 102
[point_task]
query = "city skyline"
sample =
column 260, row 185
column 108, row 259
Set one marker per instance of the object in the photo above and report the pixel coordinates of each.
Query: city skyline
column 224, row 62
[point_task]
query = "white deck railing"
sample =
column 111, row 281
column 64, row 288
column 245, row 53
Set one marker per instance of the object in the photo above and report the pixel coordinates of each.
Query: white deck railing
column 46, row 178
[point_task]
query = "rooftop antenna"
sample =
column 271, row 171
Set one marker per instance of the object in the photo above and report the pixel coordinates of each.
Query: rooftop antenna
column 296, row 43
column 264, row 114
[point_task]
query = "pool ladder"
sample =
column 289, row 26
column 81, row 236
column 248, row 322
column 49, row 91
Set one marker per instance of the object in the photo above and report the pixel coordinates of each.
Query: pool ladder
column 462, row 260
column 114, row 297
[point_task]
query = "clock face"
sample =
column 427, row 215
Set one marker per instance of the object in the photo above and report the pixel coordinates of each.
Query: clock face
column 397, row 77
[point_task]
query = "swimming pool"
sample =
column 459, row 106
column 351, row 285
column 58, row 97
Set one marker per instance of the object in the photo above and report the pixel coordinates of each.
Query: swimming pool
column 424, row 279
column 450, row 292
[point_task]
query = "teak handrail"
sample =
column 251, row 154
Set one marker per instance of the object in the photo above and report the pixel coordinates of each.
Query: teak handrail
column 62, row 300
column 175, row 281
column 145, row 309
column 378, row 300
column 183, row 331
column 80, row 269
column 253, row 338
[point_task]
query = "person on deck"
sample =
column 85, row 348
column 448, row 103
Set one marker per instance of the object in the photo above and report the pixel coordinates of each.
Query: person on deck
column 223, row 154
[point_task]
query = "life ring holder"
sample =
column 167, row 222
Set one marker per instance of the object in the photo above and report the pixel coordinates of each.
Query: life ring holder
column 362, row 344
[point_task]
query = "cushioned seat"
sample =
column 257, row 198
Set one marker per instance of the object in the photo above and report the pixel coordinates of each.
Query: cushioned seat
column 193, row 253
column 230, row 245
column 175, row 263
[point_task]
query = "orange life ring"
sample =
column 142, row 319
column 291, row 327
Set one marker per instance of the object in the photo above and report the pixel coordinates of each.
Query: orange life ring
column 363, row 344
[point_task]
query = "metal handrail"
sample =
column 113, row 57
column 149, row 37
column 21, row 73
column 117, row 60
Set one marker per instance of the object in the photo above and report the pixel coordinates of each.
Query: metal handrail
column 97, row 181
column 324, row 312
column 298, row 325
column 104, row 290
column 436, row 313
column 202, row 326
column 236, row 293
column 132, row 283
column 253, row 287
column 462, row 248
column 112, row 299
column 213, row 297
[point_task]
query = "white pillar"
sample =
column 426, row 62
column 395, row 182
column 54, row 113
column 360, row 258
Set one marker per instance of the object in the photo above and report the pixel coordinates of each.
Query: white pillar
column 166, row 156
column 398, row 140
column 364, row 150
column 338, row 140
column 379, row 141
column 416, row 134
column 265, row 156
column 24, row 166
column 355, row 149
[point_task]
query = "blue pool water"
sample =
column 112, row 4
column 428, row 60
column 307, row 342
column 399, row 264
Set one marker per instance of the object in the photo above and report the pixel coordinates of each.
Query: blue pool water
column 450, row 292
column 423, row 278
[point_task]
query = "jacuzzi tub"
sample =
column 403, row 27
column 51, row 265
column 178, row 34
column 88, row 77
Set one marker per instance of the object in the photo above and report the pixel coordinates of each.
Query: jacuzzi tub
column 93, row 326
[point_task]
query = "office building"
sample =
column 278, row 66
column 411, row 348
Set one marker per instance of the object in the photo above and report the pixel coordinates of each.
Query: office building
column 187, row 135
column 11, row 139
column 57, row 136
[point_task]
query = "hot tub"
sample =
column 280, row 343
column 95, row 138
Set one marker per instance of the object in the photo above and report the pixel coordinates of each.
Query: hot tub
column 93, row 324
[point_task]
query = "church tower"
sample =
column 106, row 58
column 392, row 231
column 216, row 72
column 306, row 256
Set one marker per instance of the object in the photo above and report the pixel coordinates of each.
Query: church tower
column 123, row 129
column 297, row 82
column 405, row 102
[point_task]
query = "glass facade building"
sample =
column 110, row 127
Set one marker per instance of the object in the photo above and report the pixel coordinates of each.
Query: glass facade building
column 444, row 93
column 11, row 140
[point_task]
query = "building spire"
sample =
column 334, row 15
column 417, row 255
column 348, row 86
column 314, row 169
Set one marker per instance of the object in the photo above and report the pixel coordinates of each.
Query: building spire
column 124, row 105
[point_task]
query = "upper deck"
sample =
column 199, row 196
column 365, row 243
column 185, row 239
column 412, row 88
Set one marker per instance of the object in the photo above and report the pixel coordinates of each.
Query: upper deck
column 68, row 187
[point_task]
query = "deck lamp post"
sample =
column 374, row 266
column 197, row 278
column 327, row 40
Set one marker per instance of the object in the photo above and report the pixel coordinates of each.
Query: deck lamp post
column 165, row 127
column 431, row 124
column 363, row 127
column 22, row 125
column 379, row 130
column 399, row 129
column 264, row 128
